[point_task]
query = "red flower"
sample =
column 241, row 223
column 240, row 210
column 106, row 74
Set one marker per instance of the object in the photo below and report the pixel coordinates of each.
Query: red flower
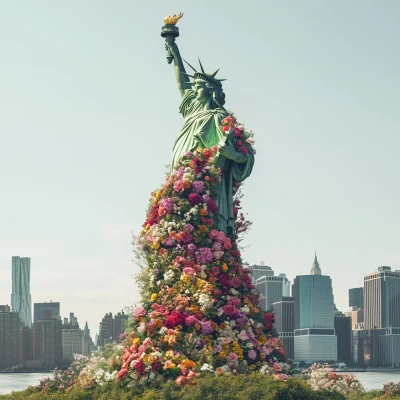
column 207, row 153
column 244, row 150
column 230, row 310
column 224, row 280
column 269, row 319
column 139, row 366
column 121, row 374
column 174, row 319
column 236, row 282
column 194, row 199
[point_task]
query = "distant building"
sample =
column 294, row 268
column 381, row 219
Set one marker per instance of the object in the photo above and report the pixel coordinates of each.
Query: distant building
column 270, row 288
column 88, row 342
column 119, row 325
column 72, row 342
column 21, row 292
column 9, row 327
column 382, row 299
column 356, row 315
column 284, row 323
column 106, row 330
column 72, row 319
column 314, row 333
column 377, row 347
column 343, row 333
column 285, row 285
column 258, row 271
column 25, row 345
column 356, row 297
column 40, row 308
column 47, row 344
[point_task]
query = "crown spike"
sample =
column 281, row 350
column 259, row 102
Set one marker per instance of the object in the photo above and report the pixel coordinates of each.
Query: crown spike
column 215, row 73
column 189, row 83
column 221, row 80
column 202, row 69
column 189, row 65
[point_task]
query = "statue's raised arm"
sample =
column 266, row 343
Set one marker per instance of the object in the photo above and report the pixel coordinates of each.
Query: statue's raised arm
column 170, row 31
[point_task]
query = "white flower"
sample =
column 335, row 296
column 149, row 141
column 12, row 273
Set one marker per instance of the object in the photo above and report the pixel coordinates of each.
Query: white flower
column 169, row 275
column 207, row 367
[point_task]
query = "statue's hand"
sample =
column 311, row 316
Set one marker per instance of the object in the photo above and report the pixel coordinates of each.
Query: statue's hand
column 229, row 151
column 171, row 45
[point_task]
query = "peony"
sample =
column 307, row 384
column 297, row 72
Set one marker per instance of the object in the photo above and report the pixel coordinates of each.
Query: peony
column 212, row 206
column 252, row 354
column 230, row 310
column 198, row 186
column 206, row 328
column 236, row 282
column 194, row 199
column 178, row 186
column 224, row 280
column 204, row 255
column 139, row 312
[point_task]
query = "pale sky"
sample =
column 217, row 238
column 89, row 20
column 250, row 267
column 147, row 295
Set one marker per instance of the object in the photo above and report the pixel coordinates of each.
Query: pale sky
column 89, row 114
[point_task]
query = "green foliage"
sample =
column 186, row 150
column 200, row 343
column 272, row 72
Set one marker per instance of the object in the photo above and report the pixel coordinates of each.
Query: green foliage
column 241, row 387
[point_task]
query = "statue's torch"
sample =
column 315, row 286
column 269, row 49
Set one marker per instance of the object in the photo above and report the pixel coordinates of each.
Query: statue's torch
column 170, row 31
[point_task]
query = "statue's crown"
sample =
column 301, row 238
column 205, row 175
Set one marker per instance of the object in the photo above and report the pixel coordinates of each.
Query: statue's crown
column 210, row 78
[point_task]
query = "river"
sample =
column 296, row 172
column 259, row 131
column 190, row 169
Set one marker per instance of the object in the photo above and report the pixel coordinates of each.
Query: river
column 11, row 382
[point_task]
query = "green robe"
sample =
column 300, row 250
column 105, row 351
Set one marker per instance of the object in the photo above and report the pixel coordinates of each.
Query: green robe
column 202, row 128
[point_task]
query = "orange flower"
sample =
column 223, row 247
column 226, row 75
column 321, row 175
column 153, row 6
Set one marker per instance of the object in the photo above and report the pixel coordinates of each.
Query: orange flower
column 186, row 184
column 171, row 290
column 203, row 228
column 206, row 178
column 188, row 364
column 197, row 327
column 203, row 212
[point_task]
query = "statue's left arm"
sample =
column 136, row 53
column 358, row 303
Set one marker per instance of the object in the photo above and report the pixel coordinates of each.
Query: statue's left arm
column 242, row 161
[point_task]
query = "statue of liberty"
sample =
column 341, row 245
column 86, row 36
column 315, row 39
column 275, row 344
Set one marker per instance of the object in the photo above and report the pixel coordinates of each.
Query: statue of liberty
column 202, row 108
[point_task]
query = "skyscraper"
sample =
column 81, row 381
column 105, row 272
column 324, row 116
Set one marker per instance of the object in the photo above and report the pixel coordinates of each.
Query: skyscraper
column 382, row 299
column 356, row 297
column 270, row 288
column 343, row 334
column 258, row 271
column 285, row 285
column 9, row 327
column 284, row 323
column 314, row 334
column 40, row 308
column 21, row 292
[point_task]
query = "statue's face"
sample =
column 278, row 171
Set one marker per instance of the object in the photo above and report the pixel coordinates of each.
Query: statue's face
column 202, row 91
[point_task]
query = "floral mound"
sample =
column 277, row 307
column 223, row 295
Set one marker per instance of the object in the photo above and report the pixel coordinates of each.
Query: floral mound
column 199, row 308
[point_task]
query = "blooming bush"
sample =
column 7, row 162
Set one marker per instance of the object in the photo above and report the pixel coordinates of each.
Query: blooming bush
column 323, row 377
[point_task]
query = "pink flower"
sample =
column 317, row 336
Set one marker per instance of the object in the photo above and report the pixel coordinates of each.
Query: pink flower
column 204, row 255
column 189, row 271
column 252, row 354
column 215, row 270
column 206, row 328
column 221, row 237
column 190, row 320
column 168, row 241
column 212, row 206
column 187, row 237
column 236, row 282
column 191, row 248
column 139, row 312
column 142, row 327
column 218, row 254
column 213, row 234
column 189, row 227
column 230, row 310
column 224, row 280
column 178, row 186
column 227, row 243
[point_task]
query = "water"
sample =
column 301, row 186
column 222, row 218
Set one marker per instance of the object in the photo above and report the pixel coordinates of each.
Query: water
column 11, row 382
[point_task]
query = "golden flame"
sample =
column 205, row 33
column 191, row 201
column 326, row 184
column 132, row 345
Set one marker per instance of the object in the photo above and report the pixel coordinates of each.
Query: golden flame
column 172, row 19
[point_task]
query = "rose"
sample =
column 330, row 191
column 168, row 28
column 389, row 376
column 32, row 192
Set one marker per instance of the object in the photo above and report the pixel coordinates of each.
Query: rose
column 189, row 271
column 213, row 234
column 221, row 237
column 227, row 243
column 236, row 282
column 174, row 319
column 230, row 310
column 139, row 312
column 194, row 199
column 139, row 367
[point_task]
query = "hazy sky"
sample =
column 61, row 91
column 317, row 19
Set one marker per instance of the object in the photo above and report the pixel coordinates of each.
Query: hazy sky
column 89, row 114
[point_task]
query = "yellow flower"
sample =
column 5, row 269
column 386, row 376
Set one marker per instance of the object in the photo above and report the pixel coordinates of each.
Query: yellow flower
column 200, row 283
column 136, row 341
column 185, row 278
column 188, row 364
column 200, row 150
column 224, row 267
column 154, row 296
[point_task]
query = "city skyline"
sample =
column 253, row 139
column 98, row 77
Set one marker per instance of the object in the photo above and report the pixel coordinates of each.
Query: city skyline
column 81, row 111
